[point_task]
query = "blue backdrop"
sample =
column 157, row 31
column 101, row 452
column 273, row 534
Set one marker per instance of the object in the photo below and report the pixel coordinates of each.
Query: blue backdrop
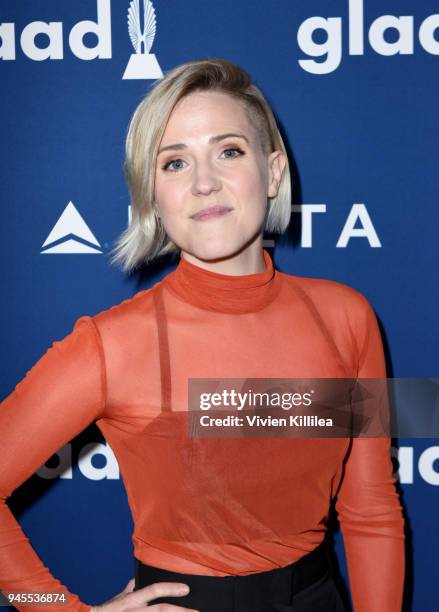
column 355, row 91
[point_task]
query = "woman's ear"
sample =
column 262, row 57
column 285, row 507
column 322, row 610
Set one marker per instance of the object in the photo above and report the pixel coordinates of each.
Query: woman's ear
column 276, row 165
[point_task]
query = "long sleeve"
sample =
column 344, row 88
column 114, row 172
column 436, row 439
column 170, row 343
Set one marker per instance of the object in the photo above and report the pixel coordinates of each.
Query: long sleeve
column 57, row 399
column 368, row 505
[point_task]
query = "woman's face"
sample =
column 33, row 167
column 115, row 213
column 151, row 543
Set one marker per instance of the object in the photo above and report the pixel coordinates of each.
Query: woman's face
column 213, row 157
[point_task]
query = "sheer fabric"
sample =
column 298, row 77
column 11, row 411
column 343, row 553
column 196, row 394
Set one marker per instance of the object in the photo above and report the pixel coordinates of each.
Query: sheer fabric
column 213, row 506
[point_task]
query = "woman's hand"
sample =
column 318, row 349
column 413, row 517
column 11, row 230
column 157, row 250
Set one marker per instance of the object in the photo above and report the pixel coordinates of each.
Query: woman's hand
column 135, row 601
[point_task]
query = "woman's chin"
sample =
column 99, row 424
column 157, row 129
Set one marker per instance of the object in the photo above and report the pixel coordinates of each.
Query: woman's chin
column 212, row 252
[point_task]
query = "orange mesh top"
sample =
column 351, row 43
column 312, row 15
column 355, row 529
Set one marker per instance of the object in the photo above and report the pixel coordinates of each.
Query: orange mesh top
column 231, row 506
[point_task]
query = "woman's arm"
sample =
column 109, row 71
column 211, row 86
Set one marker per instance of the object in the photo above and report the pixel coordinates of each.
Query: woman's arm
column 368, row 504
column 57, row 399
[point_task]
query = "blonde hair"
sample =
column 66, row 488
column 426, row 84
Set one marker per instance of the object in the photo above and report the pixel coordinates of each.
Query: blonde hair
column 145, row 238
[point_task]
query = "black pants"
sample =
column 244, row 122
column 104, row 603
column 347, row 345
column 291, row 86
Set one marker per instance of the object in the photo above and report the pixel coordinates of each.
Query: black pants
column 304, row 586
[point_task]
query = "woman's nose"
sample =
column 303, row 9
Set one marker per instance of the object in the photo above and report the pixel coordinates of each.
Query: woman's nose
column 205, row 179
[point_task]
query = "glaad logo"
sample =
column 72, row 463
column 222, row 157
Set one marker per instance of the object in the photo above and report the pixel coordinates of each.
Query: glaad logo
column 54, row 32
column 142, row 65
column 63, row 468
column 408, row 471
column 331, row 47
column 65, row 234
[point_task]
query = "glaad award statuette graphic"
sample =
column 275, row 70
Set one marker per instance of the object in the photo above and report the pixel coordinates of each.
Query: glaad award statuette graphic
column 142, row 64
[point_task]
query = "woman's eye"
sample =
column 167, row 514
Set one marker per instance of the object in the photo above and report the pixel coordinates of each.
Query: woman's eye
column 174, row 165
column 233, row 149
column 168, row 165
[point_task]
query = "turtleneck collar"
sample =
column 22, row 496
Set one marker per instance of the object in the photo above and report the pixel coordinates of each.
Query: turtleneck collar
column 224, row 292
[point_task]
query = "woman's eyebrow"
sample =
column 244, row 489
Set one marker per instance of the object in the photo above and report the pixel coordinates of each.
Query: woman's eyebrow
column 212, row 140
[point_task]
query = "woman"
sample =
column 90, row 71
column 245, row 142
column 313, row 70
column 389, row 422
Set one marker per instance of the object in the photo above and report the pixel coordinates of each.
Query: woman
column 241, row 522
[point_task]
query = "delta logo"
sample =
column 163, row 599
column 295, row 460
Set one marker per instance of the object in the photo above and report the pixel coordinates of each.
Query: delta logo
column 71, row 235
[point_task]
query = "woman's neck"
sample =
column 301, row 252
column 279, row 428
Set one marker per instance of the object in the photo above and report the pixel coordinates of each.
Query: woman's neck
column 228, row 293
column 249, row 260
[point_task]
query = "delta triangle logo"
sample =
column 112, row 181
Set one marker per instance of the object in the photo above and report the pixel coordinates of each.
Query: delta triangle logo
column 142, row 64
column 70, row 235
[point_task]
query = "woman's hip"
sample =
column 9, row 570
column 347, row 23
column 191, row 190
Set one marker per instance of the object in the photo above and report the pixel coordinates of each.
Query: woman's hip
column 306, row 585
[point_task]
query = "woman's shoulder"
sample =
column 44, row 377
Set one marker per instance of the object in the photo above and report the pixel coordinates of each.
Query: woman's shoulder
column 128, row 313
column 330, row 294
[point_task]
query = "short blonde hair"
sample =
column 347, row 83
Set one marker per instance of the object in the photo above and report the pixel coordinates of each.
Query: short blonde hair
column 145, row 238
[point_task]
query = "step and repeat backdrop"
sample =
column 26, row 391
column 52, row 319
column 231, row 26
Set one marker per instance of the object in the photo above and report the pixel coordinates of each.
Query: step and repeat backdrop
column 354, row 86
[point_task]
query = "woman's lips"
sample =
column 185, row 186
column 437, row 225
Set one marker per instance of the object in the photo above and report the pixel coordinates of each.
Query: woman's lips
column 211, row 213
